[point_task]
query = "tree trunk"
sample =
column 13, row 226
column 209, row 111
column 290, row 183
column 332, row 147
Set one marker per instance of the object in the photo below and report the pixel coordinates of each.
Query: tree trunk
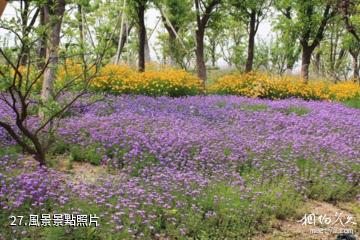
column 41, row 52
column 24, row 22
column 355, row 66
column 305, row 63
column 123, row 38
column 172, row 44
column 289, row 67
column 81, row 31
column 54, row 12
column 172, row 48
column 41, row 158
column 251, row 44
column 142, row 37
column 213, row 55
column 200, row 59
column 3, row 4
column 317, row 63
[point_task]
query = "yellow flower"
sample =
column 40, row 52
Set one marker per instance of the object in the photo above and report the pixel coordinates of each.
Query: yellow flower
column 260, row 85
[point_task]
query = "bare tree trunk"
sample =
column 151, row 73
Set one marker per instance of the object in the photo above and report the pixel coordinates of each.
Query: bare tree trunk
column 305, row 63
column 41, row 52
column 200, row 58
column 172, row 43
column 24, row 22
column 200, row 33
column 123, row 38
column 355, row 66
column 81, row 30
column 251, row 44
column 213, row 53
column 317, row 63
column 307, row 48
column 3, row 4
column 142, row 37
column 54, row 12
column 172, row 48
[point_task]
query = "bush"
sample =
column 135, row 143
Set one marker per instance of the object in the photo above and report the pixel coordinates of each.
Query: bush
column 265, row 86
column 169, row 82
column 91, row 154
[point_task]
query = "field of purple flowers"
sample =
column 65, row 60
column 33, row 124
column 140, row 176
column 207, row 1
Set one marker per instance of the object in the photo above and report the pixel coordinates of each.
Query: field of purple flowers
column 207, row 167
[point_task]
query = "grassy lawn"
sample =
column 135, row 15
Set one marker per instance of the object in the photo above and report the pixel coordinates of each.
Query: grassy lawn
column 354, row 103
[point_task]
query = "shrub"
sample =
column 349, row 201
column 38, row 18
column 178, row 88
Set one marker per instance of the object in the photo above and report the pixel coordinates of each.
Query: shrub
column 91, row 154
column 298, row 110
column 265, row 86
column 169, row 82
column 354, row 103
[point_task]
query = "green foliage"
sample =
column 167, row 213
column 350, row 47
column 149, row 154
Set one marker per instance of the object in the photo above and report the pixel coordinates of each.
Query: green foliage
column 227, row 213
column 331, row 189
column 298, row 110
column 10, row 150
column 221, row 104
column 146, row 160
column 254, row 107
column 60, row 147
column 91, row 154
column 354, row 103
column 71, row 234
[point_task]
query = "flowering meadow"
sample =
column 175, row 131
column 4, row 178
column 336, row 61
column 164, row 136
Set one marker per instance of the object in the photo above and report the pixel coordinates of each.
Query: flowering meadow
column 203, row 167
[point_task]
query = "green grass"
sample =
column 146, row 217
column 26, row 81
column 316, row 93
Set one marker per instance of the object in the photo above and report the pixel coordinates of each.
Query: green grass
column 91, row 154
column 298, row 110
column 353, row 103
column 254, row 107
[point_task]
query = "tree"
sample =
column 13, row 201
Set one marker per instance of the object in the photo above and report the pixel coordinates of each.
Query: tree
column 352, row 45
column 204, row 10
column 176, row 16
column 215, row 35
column 287, row 37
column 18, row 86
column 350, row 11
column 137, row 8
column 251, row 12
column 278, row 56
column 53, row 15
column 231, row 41
column 308, row 19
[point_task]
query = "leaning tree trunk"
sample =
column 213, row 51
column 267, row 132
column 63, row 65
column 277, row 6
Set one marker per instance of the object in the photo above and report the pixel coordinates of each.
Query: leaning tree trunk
column 142, row 37
column 172, row 44
column 200, row 58
column 122, row 40
column 305, row 63
column 53, row 15
column 172, row 48
column 251, row 44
